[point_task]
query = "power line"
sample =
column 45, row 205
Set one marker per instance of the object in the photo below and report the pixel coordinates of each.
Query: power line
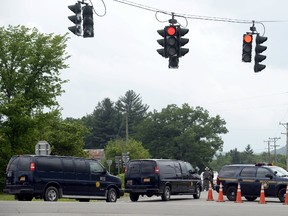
column 197, row 17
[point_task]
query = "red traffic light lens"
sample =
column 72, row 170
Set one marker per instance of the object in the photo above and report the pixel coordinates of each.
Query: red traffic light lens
column 171, row 30
column 247, row 38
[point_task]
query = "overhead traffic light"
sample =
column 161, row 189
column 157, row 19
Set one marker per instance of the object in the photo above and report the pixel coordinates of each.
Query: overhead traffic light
column 258, row 50
column 247, row 47
column 88, row 23
column 76, row 19
column 172, row 43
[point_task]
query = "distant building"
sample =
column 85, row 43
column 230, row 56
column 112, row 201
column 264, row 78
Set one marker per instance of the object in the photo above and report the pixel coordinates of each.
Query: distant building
column 96, row 154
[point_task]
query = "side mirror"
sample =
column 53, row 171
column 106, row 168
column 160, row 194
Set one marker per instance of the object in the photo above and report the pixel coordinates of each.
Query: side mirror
column 269, row 176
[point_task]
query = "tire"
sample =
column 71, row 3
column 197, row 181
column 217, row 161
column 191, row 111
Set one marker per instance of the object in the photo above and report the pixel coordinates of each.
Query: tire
column 51, row 194
column 166, row 194
column 231, row 193
column 134, row 197
column 250, row 198
column 197, row 192
column 281, row 194
column 111, row 195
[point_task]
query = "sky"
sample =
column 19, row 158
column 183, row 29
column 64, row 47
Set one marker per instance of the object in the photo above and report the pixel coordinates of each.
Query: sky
column 122, row 56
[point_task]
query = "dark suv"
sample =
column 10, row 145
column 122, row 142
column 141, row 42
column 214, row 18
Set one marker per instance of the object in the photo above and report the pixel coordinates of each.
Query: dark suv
column 250, row 177
column 161, row 177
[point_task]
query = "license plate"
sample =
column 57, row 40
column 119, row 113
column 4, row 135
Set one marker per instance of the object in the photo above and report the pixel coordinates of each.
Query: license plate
column 22, row 178
column 146, row 179
column 129, row 182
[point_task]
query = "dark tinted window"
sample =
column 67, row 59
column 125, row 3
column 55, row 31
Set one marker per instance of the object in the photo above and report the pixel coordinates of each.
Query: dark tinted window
column 229, row 171
column 148, row 167
column 81, row 166
column 189, row 167
column 177, row 168
column 24, row 164
column 167, row 169
column 261, row 172
column 134, row 167
column 49, row 164
column 248, row 172
column 95, row 167
column 68, row 165
column 184, row 168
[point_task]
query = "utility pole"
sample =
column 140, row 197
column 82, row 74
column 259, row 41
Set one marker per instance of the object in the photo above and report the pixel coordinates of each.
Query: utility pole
column 274, row 139
column 269, row 158
column 286, row 126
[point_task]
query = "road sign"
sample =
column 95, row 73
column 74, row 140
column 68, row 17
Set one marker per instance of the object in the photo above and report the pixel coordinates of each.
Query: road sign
column 42, row 148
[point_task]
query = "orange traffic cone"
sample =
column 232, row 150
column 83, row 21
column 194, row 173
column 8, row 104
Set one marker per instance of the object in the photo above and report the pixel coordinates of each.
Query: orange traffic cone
column 210, row 194
column 220, row 195
column 286, row 197
column 239, row 196
column 262, row 195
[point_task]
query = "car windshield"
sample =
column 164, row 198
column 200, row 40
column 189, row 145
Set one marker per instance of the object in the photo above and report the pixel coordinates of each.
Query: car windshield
column 278, row 171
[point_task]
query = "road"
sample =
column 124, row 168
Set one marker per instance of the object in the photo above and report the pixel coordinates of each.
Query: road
column 177, row 206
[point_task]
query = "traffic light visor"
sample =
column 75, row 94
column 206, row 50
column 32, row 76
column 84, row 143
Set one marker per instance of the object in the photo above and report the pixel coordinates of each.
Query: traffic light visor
column 247, row 38
column 171, row 30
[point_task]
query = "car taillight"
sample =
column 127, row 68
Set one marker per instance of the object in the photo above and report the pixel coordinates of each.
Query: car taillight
column 32, row 166
column 157, row 170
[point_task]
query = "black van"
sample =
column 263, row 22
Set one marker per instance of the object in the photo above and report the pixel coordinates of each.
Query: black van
column 161, row 177
column 53, row 177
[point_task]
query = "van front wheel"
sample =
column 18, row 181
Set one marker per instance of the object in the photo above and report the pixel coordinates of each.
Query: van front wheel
column 111, row 195
column 51, row 194
column 167, row 193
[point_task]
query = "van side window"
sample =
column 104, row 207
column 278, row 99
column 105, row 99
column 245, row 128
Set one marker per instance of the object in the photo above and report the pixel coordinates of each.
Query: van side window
column 177, row 169
column 189, row 167
column 49, row 164
column 81, row 166
column 68, row 165
column 95, row 167
column 184, row 168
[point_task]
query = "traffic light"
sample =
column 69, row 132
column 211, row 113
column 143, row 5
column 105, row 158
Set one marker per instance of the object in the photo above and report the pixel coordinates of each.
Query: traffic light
column 76, row 19
column 182, row 41
column 258, row 50
column 247, row 47
column 88, row 23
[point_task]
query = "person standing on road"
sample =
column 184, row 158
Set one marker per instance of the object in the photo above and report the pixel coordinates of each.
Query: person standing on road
column 206, row 178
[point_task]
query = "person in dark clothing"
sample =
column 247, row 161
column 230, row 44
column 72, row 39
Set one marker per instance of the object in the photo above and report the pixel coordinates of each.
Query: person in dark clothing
column 206, row 178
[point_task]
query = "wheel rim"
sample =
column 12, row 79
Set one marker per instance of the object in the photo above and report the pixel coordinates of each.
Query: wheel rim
column 167, row 192
column 52, row 195
column 112, row 196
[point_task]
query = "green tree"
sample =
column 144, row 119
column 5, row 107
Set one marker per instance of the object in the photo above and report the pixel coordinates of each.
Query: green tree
column 103, row 124
column 132, row 109
column 248, row 155
column 30, row 64
column 182, row 133
column 119, row 146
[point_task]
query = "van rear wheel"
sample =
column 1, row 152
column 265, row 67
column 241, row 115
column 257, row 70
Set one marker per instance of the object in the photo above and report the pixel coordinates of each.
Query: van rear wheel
column 167, row 193
column 51, row 194
column 134, row 197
